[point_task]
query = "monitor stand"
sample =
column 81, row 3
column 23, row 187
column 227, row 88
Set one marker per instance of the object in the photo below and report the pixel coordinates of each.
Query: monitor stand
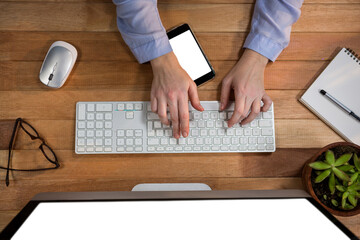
column 145, row 187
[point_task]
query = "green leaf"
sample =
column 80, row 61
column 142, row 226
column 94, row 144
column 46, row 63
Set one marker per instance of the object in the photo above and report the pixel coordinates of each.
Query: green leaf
column 354, row 187
column 343, row 200
column 345, row 168
column 343, row 159
column 332, row 183
column 322, row 176
column 353, row 178
column 319, row 165
column 352, row 200
column 356, row 162
column 329, row 157
column 324, row 197
column 340, row 174
column 348, row 207
column 334, row 202
column 340, row 188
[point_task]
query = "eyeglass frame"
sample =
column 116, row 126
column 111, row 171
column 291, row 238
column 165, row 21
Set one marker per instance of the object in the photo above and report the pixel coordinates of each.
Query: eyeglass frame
column 19, row 122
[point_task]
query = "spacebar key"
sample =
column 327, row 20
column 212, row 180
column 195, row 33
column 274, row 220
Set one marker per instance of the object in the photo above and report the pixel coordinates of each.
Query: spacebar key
column 104, row 107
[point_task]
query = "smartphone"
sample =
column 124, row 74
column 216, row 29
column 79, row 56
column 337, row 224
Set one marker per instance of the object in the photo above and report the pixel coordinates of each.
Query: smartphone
column 190, row 55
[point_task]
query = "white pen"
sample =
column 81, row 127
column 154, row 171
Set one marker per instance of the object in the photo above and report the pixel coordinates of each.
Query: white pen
column 342, row 106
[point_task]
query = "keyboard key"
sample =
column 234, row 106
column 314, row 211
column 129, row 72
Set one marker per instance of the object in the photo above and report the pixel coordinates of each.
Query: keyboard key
column 129, row 106
column 224, row 148
column 157, row 124
column 120, row 149
column 205, row 115
column 90, row 133
column 81, row 112
column 252, row 140
column 108, row 142
column 151, row 149
column 267, row 115
column 98, row 142
column 98, row 149
column 194, row 132
column 182, row 141
column 98, row 133
column 233, row 148
column 103, row 107
column 201, row 123
column 90, row 149
column 199, row 141
column 215, row 148
column 187, row 148
column 89, row 142
column 152, row 116
column 210, row 124
column 81, row 124
column 218, row 124
column 230, row 132
column 138, row 106
column 214, row 115
column 108, row 116
column 239, row 132
column 81, row 133
column 203, row 132
column 267, row 132
column 260, row 140
column 168, row 132
column 270, row 147
column 129, row 115
column 90, row 107
column 154, row 141
column 242, row 147
column 108, row 125
column 129, row 133
column 139, row 141
column 252, row 147
column 159, row 132
column 212, row 132
column 221, row 132
column 169, row 149
column 108, row 133
column 222, row 115
column 120, row 133
column 99, row 116
column 269, row 140
column 254, row 123
column 197, row 148
column 172, row 141
column 208, row 141
column 151, row 133
column 265, row 123
column 120, row 141
column 217, row 141
column 148, row 107
column 138, row 149
column 99, row 125
column 138, row 133
column 247, row 131
column 121, row 107
column 178, row 148
column 129, row 149
column 108, row 149
column 226, row 141
column 90, row 116
column 90, row 124
column 81, row 142
column 196, row 115
column 261, row 147
column 129, row 141
column 243, row 140
column 234, row 141
column 160, row 149
column 256, row 132
column 206, row 148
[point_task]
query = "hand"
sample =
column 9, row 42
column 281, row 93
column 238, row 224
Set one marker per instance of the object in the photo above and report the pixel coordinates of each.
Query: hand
column 171, row 87
column 246, row 78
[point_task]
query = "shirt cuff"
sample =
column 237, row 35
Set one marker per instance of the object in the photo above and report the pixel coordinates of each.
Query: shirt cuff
column 152, row 49
column 263, row 45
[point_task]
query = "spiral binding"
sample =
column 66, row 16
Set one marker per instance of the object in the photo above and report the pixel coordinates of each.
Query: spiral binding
column 353, row 55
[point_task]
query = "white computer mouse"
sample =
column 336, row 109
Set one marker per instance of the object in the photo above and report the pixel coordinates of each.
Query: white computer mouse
column 58, row 63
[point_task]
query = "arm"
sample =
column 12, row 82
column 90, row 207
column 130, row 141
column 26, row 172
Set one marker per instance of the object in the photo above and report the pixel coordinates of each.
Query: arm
column 269, row 35
column 141, row 28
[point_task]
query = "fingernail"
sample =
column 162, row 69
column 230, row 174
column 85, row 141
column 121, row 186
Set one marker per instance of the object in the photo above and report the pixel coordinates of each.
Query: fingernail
column 184, row 134
column 221, row 106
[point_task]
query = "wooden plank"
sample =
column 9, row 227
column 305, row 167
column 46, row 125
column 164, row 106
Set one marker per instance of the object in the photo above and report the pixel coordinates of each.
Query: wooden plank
column 37, row 16
column 22, row 76
column 20, row 192
column 93, row 46
column 294, row 133
column 60, row 104
column 282, row 163
column 6, row 217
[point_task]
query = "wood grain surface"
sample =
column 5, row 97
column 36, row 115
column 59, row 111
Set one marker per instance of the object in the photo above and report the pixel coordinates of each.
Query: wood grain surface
column 107, row 71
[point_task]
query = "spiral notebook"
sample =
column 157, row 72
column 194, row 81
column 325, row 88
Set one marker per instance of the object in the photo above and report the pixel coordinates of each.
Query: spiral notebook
column 341, row 79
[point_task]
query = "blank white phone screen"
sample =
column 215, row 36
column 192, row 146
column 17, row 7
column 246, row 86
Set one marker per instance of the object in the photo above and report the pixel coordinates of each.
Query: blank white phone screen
column 280, row 219
column 189, row 55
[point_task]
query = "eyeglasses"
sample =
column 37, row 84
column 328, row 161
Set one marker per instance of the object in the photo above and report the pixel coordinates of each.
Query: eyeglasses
column 44, row 148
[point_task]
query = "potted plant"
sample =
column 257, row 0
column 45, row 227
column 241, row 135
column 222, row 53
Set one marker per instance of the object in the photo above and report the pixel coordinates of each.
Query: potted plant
column 332, row 177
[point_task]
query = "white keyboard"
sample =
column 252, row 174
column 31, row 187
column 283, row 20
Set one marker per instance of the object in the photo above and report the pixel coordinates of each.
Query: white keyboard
column 131, row 127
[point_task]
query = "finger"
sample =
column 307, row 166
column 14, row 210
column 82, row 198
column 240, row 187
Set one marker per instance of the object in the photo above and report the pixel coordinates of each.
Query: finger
column 267, row 102
column 238, row 109
column 162, row 111
column 174, row 118
column 154, row 105
column 225, row 93
column 184, row 116
column 255, row 110
column 248, row 104
column 194, row 97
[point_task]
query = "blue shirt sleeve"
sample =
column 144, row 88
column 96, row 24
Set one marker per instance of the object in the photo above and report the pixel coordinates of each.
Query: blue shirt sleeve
column 141, row 28
column 271, row 26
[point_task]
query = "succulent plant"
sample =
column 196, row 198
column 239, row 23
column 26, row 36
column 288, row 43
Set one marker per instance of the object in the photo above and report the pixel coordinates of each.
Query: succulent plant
column 344, row 178
column 332, row 167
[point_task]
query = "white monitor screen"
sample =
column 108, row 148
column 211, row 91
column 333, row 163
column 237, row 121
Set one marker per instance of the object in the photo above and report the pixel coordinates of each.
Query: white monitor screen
column 279, row 219
column 189, row 55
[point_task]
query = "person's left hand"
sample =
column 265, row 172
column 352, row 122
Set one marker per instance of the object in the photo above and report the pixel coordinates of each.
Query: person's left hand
column 246, row 78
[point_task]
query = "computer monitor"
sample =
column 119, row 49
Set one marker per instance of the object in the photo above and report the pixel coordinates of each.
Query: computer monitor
column 284, row 214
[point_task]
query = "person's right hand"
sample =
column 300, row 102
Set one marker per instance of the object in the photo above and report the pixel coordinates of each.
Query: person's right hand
column 172, row 87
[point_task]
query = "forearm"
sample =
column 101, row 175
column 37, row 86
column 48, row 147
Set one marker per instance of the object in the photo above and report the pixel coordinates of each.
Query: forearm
column 141, row 28
column 271, row 26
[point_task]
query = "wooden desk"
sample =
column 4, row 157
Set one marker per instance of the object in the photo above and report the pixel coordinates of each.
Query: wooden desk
column 107, row 71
